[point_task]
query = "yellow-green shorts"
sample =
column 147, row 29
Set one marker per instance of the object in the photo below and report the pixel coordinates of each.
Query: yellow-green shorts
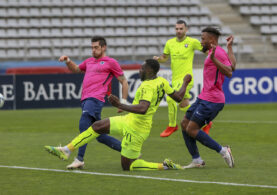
column 177, row 84
column 131, row 143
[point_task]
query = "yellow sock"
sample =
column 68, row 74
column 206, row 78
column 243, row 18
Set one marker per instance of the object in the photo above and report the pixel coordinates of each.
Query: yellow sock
column 184, row 109
column 82, row 139
column 142, row 165
column 172, row 111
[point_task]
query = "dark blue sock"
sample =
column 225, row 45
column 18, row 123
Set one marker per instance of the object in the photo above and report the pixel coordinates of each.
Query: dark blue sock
column 110, row 141
column 191, row 145
column 206, row 140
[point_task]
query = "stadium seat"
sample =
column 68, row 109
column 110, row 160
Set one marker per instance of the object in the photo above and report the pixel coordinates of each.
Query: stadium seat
column 88, row 32
column 52, row 24
column 3, row 53
column 33, row 53
column 141, row 50
column 274, row 39
column 265, row 29
column 3, row 12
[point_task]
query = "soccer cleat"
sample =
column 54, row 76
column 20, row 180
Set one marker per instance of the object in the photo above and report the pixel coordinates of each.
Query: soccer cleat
column 168, row 131
column 228, row 157
column 207, row 127
column 195, row 165
column 57, row 151
column 171, row 165
column 76, row 164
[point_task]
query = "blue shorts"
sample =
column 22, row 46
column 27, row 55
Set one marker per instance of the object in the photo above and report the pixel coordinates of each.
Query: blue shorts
column 93, row 107
column 202, row 112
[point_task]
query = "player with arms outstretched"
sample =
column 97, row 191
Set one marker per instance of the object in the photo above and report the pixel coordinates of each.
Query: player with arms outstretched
column 99, row 71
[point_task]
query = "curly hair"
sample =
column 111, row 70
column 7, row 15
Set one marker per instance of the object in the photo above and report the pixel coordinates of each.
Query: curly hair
column 212, row 30
column 153, row 64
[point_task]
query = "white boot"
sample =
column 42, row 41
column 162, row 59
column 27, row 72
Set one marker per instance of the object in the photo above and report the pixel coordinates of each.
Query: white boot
column 76, row 164
column 227, row 155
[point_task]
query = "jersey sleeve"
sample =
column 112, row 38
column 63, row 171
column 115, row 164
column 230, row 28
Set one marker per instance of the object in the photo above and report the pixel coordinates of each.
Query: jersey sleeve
column 83, row 65
column 116, row 69
column 222, row 56
column 166, row 48
column 146, row 93
column 197, row 45
column 167, row 88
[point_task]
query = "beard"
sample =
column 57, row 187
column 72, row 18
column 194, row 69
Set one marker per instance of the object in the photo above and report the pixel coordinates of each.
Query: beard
column 95, row 55
column 205, row 48
column 142, row 76
column 180, row 36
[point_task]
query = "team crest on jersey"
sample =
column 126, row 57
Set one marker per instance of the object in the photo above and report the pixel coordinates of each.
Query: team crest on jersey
column 102, row 62
column 186, row 45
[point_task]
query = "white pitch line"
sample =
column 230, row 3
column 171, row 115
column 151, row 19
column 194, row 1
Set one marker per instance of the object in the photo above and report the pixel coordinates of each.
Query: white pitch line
column 253, row 122
column 138, row 176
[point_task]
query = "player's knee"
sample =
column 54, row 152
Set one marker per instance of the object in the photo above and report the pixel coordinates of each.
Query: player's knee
column 96, row 126
column 125, row 165
column 184, row 124
column 191, row 131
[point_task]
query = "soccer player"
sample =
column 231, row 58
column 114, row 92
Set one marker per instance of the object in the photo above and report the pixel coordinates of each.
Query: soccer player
column 134, row 127
column 209, row 102
column 181, row 51
column 99, row 71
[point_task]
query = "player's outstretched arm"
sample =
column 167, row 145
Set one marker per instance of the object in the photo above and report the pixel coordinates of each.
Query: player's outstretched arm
column 163, row 58
column 179, row 95
column 140, row 108
column 70, row 64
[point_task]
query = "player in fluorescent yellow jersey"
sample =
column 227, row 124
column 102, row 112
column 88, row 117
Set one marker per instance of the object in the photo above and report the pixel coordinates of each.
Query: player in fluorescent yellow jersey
column 181, row 51
column 134, row 127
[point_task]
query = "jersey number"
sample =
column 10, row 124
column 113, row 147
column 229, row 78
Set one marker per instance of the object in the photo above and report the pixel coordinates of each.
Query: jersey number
column 160, row 94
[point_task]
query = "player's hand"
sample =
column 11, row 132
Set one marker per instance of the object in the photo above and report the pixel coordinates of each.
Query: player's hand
column 187, row 78
column 230, row 40
column 114, row 101
column 213, row 51
column 63, row 58
column 156, row 58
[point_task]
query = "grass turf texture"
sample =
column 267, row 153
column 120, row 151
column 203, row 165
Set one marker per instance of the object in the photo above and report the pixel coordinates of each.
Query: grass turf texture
column 23, row 133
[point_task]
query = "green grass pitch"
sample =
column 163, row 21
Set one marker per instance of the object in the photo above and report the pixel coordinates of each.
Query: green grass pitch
column 250, row 130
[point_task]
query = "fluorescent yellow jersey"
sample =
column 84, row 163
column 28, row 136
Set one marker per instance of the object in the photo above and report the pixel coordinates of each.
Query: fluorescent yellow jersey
column 181, row 54
column 152, row 91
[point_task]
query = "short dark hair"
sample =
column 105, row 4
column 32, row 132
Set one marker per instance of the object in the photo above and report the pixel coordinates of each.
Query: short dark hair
column 102, row 40
column 181, row 22
column 212, row 30
column 153, row 64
